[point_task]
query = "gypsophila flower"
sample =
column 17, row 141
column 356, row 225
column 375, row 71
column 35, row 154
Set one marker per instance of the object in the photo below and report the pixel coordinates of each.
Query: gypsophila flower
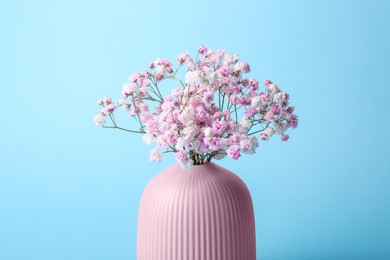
column 214, row 112
column 155, row 155
column 99, row 119
column 148, row 138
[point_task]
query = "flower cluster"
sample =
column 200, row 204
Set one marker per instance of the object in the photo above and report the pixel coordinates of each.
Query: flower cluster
column 215, row 112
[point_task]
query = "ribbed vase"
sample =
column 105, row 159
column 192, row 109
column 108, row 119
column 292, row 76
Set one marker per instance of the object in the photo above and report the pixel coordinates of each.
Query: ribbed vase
column 204, row 213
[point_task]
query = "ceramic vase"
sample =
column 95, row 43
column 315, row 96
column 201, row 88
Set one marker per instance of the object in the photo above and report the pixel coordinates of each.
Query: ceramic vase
column 202, row 213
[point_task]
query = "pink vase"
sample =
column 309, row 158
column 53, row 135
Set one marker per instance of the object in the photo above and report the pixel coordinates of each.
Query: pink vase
column 204, row 213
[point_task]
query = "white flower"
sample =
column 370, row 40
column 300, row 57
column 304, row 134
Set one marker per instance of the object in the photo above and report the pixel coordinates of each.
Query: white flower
column 280, row 97
column 187, row 165
column 120, row 102
column 208, row 132
column 190, row 130
column 273, row 89
column 179, row 144
column 148, row 138
column 278, row 128
column 235, row 58
column 256, row 102
column 220, row 155
column 268, row 131
column 226, row 59
column 245, row 123
column 192, row 76
column 187, row 115
column 160, row 69
column 155, row 155
column 194, row 144
column 129, row 88
column 99, row 119
column 213, row 76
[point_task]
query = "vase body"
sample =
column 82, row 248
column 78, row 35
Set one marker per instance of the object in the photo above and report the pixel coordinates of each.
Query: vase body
column 204, row 213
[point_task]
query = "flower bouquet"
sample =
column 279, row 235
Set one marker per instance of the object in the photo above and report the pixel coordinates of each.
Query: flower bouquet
column 214, row 110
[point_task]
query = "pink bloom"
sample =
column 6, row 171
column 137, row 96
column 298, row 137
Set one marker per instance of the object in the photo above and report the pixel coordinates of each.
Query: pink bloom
column 190, row 64
column 110, row 108
column 208, row 97
column 233, row 152
column 177, row 92
column 144, row 82
column 284, row 137
column 120, row 102
column 143, row 107
column 182, row 158
column 134, row 77
column 202, row 49
column 248, row 145
column 273, row 89
column 159, row 76
column 275, row 109
column 242, row 66
column 244, row 101
column 126, row 106
column 254, row 85
column 144, row 92
column 234, row 99
column 128, row 89
column 182, row 58
column 264, row 137
column 190, row 120
column 270, row 116
column 224, row 70
column 107, row 100
column 251, row 112
column 290, row 110
column 219, row 127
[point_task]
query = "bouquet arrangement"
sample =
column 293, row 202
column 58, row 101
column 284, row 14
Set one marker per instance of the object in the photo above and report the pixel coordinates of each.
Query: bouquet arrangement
column 214, row 112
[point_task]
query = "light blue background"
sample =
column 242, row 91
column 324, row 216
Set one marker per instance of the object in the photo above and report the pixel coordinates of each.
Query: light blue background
column 70, row 190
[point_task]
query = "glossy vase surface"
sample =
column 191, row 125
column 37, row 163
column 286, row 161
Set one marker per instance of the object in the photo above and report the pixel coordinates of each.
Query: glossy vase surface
column 203, row 213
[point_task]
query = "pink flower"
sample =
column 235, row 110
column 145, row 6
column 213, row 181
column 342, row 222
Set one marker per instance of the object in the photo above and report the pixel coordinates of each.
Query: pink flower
column 202, row 49
column 214, row 111
column 107, row 100
column 243, row 67
column 110, row 108
column 292, row 121
column 144, row 82
column 224, row 70
column 270, row 116
column 284, row 137
column 264, row 137
column 208, row 97
column 159, row 76
column 251, row 112
column 182, row 158
column 182, row 58
column 233, row 152
column 134, row 77
column 248, row 145
column 219, row 127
